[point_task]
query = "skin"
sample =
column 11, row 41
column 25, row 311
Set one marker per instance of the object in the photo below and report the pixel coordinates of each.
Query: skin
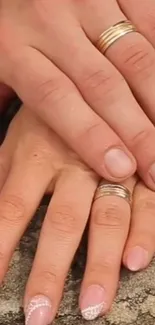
column 33, row 161
column 105, row 103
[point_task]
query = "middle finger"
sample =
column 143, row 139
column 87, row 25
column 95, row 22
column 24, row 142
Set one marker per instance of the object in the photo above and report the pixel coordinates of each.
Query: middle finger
column 109, row 228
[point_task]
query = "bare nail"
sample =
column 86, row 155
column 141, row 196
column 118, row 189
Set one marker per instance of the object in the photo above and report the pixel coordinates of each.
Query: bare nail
column 118, row 163
column 137, row 258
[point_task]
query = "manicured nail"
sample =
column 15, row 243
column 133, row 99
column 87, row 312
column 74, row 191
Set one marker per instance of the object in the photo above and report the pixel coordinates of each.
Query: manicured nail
column 93, row 302
column 39, row 311
column 118, row 163
column 137, row 258
column 152, row 172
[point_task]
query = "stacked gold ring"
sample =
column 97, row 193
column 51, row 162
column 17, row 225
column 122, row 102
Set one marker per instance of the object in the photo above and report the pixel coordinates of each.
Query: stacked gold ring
column 112, row 34
column 113, row 190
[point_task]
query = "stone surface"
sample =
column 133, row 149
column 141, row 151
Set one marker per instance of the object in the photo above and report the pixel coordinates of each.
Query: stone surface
column 135, row 302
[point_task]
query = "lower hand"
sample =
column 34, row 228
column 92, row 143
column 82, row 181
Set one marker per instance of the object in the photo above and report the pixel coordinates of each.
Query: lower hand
column 33, row 160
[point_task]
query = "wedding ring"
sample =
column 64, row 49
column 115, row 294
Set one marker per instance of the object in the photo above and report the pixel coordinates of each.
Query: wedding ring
column 112, row 34
column 113, row 190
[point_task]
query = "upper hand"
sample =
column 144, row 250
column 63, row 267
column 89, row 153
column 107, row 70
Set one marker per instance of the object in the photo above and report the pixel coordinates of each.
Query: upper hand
column 48, row 58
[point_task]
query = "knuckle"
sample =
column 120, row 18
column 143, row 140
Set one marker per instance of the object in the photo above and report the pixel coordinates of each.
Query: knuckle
column 97, row 78
column 64, row 219
column 99, row 83
column 142, row 138
column 105, row 265
column 54, row 90
column 138, row 59
column 46, row 276
column 12, row 209
column 90, row 133
column 146, row 205
column 109, row 218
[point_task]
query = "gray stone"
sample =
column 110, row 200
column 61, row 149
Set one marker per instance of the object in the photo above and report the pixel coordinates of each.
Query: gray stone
column 135, row 302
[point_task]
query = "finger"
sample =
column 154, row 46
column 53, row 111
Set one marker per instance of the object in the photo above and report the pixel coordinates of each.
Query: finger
column 60, row 236
column 142, row 14
column 19, row 199
column 53, row 96
column 100, row 83
column 140, row 246
column 134, row 57
column 138, row 62
column 109, row 225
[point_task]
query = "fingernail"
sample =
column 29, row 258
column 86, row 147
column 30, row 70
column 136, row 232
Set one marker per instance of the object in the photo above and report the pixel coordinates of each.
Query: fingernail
column 93, row 302
column 39, row 311
column 118, row 163
column 152, row 172
column 137, row 258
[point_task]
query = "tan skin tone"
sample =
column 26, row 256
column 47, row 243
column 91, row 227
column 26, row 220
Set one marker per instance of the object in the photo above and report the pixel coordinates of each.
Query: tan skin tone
column 92, row 101
column 34, row 160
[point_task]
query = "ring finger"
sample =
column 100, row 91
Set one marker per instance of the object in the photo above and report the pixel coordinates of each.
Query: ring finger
column 109, row 228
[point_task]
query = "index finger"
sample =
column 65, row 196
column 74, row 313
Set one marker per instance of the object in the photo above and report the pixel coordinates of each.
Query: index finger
column 55, row 98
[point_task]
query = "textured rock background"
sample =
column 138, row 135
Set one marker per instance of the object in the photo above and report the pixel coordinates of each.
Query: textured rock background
column 135, row 302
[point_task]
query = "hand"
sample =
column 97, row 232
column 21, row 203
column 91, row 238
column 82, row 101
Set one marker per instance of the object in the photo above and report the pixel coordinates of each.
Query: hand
column 48, row 58
column 33, row 160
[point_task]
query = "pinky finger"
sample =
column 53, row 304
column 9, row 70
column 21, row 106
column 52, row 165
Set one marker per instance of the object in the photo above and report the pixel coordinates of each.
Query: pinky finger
column 140, row 246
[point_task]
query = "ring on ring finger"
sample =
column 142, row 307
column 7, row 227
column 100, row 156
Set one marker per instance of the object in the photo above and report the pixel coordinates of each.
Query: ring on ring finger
column 109, row 226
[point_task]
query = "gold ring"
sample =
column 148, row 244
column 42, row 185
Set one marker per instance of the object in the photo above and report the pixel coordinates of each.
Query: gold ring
column 112, row 34
column 113, row 190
